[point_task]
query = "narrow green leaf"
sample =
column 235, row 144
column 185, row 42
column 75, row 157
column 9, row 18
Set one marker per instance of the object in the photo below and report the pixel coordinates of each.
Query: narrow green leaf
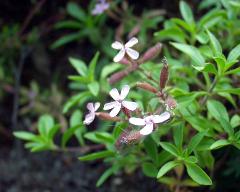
column 92, row 66
column 69, row 133
column 149, row 169
column 45, row 123
column 178, row 135
column 79, row 65
column 186, row 12
column 94, row 88
column 97, row 155
column 217, row 49
column 167, row 167
column 234, row 54
column 169, row 147
column 220, row 143
column 193, row 53
column 217, row 110
column 195, row 140
column 197, row 174
column 75, row 11
column 106, row 175
column 25, row 135
column 151, row 148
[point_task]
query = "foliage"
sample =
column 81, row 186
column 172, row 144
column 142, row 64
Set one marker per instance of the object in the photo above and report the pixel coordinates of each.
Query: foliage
column 199, row 74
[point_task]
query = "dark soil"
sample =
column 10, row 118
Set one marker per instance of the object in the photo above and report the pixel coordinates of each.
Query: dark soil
column 56, row 172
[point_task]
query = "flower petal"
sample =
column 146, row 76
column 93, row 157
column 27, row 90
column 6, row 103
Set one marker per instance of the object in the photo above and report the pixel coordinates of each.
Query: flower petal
column 132, row 53
column 130, row 105
column 90, row 107
column 117, row 45
column 110, row 105
column 119, row 56
column 89, row 118
column 124, row 91
column 115, row 111
column 161, row 118
column 137, row 121
column 96, row 106
column 131, row 42
column 114, row 94
column 147, row 129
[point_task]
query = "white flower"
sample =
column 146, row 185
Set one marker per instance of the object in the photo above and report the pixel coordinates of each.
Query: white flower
column 149, row 121
column 91, row 115
column 119, row 101
column 125, row 49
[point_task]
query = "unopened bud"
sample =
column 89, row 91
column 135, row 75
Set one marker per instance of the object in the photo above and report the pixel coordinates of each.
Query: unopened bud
column 125, row 61
column 134, row 31
column 147, row 87
column 128, row 137
column 107, row 117
column 171, row 103
column 164, row 75
column 151, row 53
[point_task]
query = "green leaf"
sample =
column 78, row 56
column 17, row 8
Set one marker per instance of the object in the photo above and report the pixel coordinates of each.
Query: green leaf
column 210, row 68
column 217, row 49
column 211, row 18
column 221, row 61
column 195, row 140
column 75, row 11
column 235, row 121
column 25, row 135
column 69, row 133
column 235, row 91
column 234, row 54
column 76, row 118
column 53, row 131
column 233, row 71
column 186, row 12
column 69, row 24
column 178, row 135
column 94, row 88
column 192, row 52
column 167, row 167
column 173, row 33
column 220, row 143
column 75, row 99
column 169, row 147
column 66, row 39
column 92, row 66
column 151, row 148
column 77, row 78
column 79, row 65
column 197, row 174
column 106, row 175
column 109, row 69
column 97, row 155
column 217, row 110
column 105, row 137
column 149, row 169
column 45, row 123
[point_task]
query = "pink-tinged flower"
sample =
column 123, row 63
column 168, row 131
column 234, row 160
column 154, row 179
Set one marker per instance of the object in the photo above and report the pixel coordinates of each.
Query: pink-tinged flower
column 149, row 121
column 125, row 49
column 119, row 101
column 100, row 7
column 92, row 112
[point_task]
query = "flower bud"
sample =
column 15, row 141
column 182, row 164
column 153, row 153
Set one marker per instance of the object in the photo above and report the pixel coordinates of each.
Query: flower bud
column 171, row 103
column 128, row 137
column 151, row 53
column 147, row 87
column 134, row 31
column 164, row 75
column 107, row 117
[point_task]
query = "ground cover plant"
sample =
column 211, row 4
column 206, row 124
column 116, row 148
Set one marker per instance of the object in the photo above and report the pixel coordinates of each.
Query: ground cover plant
column 159, row 94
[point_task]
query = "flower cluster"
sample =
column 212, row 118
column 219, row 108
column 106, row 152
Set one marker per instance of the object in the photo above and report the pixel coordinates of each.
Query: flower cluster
column 148, row 122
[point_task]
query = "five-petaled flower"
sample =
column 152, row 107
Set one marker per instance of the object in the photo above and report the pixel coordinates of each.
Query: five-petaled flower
column 100, row 7
column 119, row 101
column 149, row 121
column 91, row 115
column 125, row 49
